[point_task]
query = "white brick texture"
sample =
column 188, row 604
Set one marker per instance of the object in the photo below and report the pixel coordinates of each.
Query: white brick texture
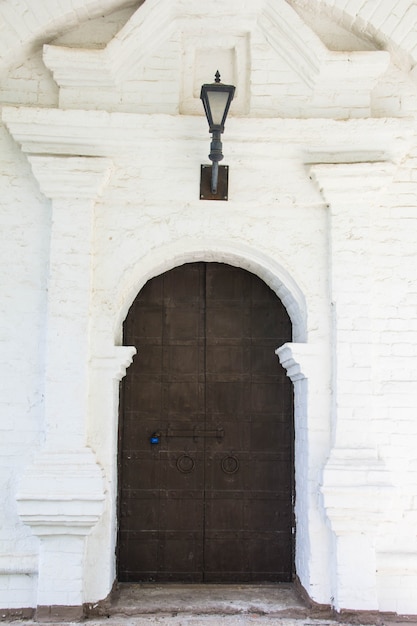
column 101, row 142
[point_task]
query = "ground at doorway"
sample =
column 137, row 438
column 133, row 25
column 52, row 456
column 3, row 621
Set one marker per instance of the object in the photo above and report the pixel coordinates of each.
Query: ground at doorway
column 218, row 604
column 208, row 605
column 205, row 620
column 278, row 600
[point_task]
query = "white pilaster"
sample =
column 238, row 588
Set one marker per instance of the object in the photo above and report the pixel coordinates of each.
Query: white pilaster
column 311, row 403
column 61, row 494
column 73, row 184
column 355, row 481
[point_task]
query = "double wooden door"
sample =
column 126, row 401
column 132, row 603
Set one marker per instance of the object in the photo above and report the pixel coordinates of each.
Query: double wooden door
column 206, row 433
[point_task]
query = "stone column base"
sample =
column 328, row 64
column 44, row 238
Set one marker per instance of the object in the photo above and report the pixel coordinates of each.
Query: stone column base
column 61, row 498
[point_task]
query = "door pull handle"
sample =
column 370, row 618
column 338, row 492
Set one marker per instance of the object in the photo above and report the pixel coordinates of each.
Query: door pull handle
column 217, row 433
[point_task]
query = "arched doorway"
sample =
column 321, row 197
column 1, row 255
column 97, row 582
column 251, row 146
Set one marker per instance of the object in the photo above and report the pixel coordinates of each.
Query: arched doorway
column 206, row 474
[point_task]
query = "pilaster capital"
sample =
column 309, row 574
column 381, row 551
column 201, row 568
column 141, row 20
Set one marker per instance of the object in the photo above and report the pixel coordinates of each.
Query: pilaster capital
column 80, row 178
column 299, row 359
column 115, row 362
column 356, row 489
column 352, row 183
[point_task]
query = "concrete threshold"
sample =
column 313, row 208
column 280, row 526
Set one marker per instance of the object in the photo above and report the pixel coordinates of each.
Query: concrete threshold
column 174, row 604
column 274, row 600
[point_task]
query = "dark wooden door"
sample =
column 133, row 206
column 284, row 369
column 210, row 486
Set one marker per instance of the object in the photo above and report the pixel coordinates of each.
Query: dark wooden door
column 206, row 433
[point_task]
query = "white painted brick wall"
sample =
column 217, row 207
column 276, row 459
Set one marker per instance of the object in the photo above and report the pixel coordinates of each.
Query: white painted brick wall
column 23, row 234
column 150, row 219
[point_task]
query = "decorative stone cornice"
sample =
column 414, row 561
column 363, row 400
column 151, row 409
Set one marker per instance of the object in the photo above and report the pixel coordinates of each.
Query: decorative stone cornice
column 292, row 40
column 78, row 68
column 348, row 183
column 325, row 73
column 21, row 28
column 116, row 363
column 299, row 359
column 70, row 177
column 99, row 133
column 320, row 69
column 146, row 30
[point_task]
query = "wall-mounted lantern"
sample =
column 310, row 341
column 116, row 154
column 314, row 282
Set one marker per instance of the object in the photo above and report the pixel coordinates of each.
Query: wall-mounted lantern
column 216, row 99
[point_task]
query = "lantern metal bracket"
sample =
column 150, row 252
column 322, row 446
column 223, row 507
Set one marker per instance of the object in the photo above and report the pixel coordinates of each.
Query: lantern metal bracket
column 222, row 189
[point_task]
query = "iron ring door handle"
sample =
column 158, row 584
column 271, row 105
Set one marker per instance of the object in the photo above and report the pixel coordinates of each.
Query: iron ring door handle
column 230, row 464
column 185, row 464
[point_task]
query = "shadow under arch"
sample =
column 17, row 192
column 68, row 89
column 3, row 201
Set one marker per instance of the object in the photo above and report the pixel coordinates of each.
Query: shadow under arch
column 184, row 250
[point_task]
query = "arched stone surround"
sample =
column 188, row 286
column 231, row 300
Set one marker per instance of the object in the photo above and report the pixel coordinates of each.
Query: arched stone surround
column 299, row 358
column 238, row 254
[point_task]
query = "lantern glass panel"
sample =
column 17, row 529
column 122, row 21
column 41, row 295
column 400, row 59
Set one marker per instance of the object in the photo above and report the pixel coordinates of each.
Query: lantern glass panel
column 218, row 102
